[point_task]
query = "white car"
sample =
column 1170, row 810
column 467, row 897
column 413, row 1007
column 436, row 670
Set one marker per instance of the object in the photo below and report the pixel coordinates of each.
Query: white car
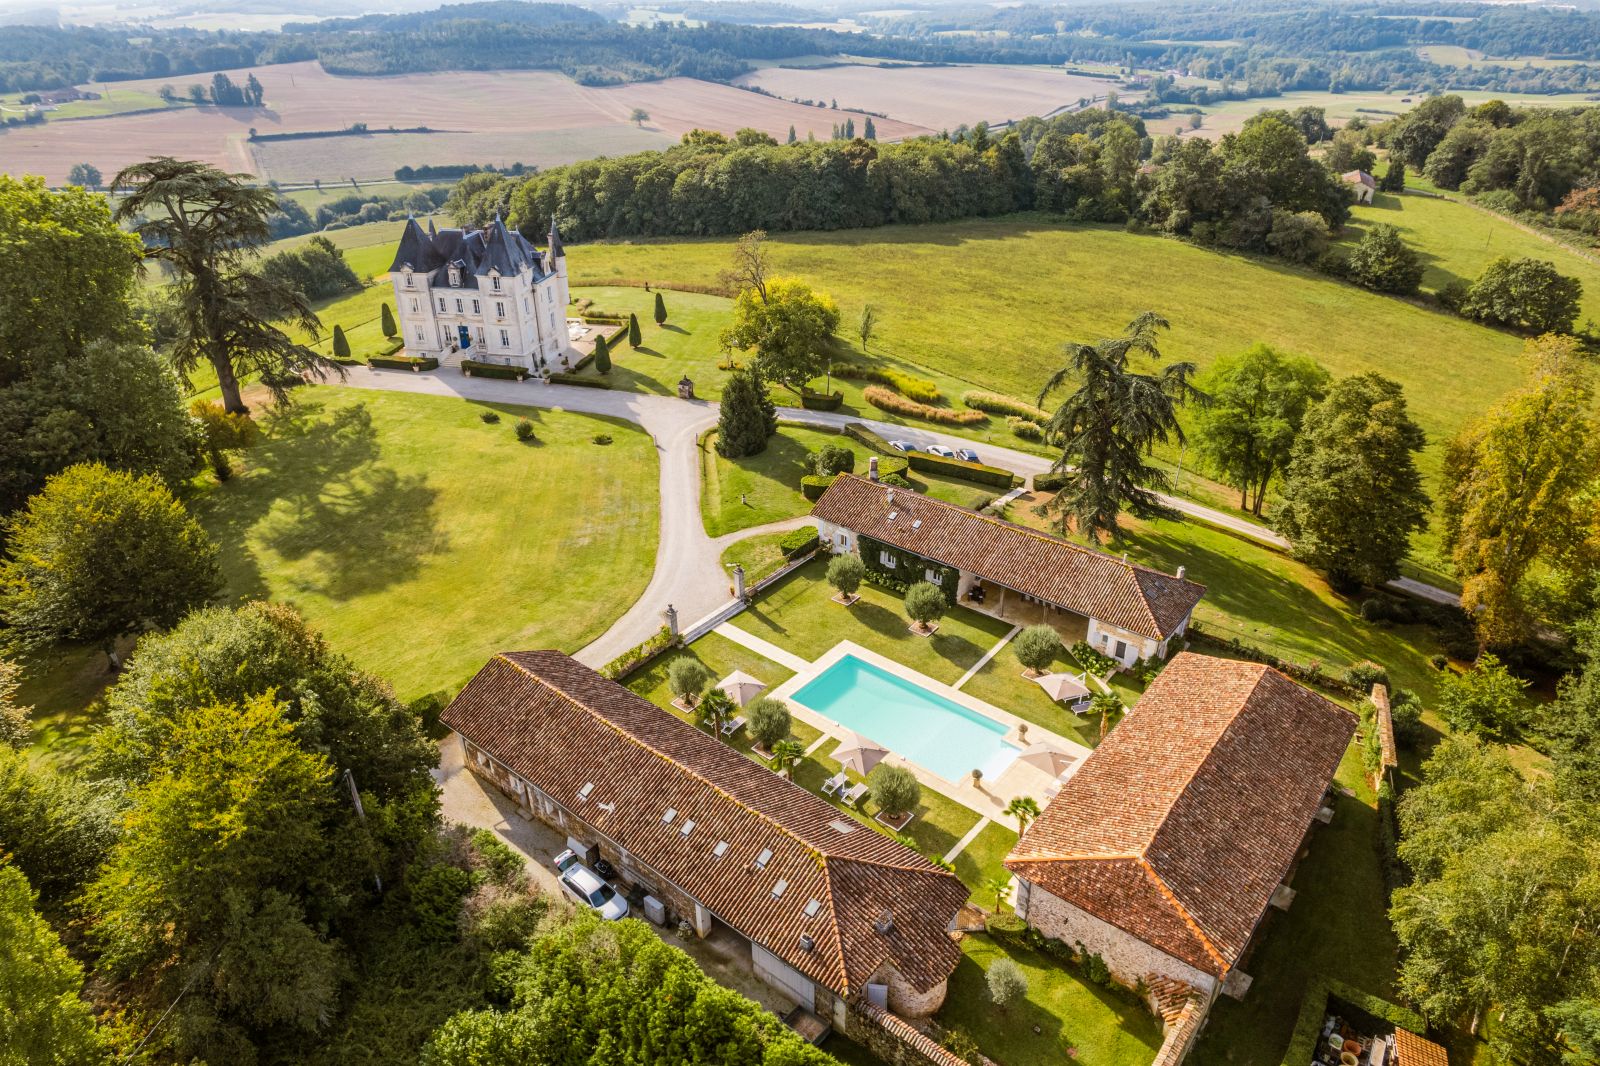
column 941, row 451
column 967, row 454
column 902, row 446
column 589, row 888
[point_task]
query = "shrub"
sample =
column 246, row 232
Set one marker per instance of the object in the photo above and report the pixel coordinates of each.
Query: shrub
column 888, row 400
column 798, row 541
column 637, row 656
column 601, row 438
column 1091, row 660
column 341, row 343
column 490, row 417
column 996, row 404
column 821, row 401
column 687, row 677
column 502, row 865
column 661, row 310
column 812, row 486
column 1004, row 926
column 845, row 573
column 1405, row 714
column 866, row 435
column 894, row 789
column 475, row 368
column 1036, row 647
column 1025, row 429
column 524, row 430
column 1053, row 481
column 909, row 385
column 1383, row 262
column 961, row 1044
column 390, row 329
column 896, row 481
column 602, row 355
column 1526, row 294
column 436, row 895
column 832, row 459
column 403, row 362
column 1095, row 968
column 1363, row 675
column 560, row 378
column 1006, row 982
column 634, row 337
column 925, row 603
column 959, row 468
column 1438, row 662
column 770, row 721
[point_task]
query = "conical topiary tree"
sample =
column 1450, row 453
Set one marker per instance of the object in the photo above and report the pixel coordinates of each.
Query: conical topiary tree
column 748, row 417
column 661, row 309
column 633, row 330
column 602, row 355
column 341, row 344
column 390, row 330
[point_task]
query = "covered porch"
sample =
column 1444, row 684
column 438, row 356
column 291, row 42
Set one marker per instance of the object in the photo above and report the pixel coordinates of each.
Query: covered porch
column 1007, row 604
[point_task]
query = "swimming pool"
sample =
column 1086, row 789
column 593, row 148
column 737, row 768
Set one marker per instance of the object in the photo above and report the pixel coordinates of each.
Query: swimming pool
column 913, row 722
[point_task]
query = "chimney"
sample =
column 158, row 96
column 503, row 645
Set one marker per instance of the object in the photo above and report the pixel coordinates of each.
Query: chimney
column 872, row 468
column 1181, row 571
column 884, row 921
column 891, row 497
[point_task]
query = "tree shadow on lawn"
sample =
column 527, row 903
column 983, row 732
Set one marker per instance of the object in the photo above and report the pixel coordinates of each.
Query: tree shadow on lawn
column 318, row 487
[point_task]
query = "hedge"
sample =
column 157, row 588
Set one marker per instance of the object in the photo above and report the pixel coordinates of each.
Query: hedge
column 393, row 346
column 890, row 464
column 980, row 473
column 891, row 401
column 474, row 368
column 996, row 404
column 798, row 542
column 559, row 378
column 812, row 486
column 821, row 401
column 404, row 362
column 1053, row 481
column 1314, row 1007
column 866, row 435
column 919, row 389
column 637, row 656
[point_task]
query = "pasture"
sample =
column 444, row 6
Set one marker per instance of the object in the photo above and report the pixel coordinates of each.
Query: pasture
column 537, row 117
column 933, row 97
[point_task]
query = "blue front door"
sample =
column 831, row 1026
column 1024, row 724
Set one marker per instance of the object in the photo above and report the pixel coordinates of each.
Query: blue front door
column 466, row 338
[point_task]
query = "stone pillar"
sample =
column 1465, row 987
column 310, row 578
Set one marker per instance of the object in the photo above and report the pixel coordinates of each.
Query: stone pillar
column 671, row 618
column 872, row 468
column 738, row 581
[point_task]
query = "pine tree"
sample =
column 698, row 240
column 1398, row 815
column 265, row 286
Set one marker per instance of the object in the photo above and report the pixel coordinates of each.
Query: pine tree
column 602, row 355
column 748, row 417
column 661, row 310
column 869, row 131
column 792, row 137
column 341, row 344
column 849, row 129
column 633, row 330
column 835, row 131
column 389, row 328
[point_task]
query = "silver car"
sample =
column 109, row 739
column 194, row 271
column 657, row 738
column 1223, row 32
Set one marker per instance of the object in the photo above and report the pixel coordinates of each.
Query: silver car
column 941, row 451
column 589, row 888
column 902, row 446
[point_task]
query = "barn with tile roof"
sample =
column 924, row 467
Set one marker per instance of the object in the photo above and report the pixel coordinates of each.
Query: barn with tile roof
column 834, row 911
column 1165, row 850
column 1131, row 612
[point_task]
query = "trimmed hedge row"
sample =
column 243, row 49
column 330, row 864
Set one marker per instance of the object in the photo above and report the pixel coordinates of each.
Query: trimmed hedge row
column 473, row 368
column 639, row 655
column 920, row 389
column 404, row 362
column 394, row 345
column 645, row 283
column 1051, row 482
column 981, row 473
column 858, row 431
column 1314, row 1007
column 799, row 542
column 812, row 486
column 996, row 404
column 888, row 400
column 560, row 378
column 821, row 401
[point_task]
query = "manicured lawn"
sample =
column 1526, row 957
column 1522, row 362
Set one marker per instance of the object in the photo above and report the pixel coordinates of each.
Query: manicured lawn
column 360, row 314
column 740, row 493
column 421, row 540
column 722, row 657
column 1336, row 926
column 1062, row 1019
column 760, row 556
column 799, row 615
column 1001, row 683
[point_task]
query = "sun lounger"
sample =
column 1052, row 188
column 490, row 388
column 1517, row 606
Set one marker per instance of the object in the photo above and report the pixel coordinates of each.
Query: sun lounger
column 733, row 725
column 853, row 794
column 833, row 784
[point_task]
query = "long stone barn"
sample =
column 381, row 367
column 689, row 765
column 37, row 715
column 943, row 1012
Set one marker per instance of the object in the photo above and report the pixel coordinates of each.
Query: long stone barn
column 1166, row 850
column 1125, row 611
column 845, row 920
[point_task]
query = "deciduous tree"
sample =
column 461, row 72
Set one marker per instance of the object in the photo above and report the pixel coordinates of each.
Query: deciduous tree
column 1259, row 401
column 1037, row 647
column 925, row 604
column 1525, row 294
column 1381, row 261
column 687, row 677
column 894, row 789
column 769, row 721
column 1486, row 700
column 788, row 326
column 43, row 1017
column 845, row 572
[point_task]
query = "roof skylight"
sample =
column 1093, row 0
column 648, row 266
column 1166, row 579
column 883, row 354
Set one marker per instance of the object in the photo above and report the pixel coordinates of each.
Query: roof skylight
column 764, row 858
column 588, row 787
column 721, row 849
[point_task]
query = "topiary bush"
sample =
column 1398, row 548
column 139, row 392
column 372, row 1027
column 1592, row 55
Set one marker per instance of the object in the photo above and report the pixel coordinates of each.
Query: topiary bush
column 798, row 541
column 524, row 430
column 812, row 486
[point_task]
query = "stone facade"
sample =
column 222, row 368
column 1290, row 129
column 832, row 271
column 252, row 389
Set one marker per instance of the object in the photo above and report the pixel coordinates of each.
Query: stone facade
column 905, row 1000
column 1130, row 959
column 897, row 1042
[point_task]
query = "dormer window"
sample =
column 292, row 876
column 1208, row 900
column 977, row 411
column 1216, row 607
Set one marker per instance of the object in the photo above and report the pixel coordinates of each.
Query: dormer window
column 410, row 281
column 455, row 276
column 495, row 280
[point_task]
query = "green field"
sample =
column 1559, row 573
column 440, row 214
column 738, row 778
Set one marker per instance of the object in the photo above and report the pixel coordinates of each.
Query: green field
column 113, row 101
column 1457, row 240
column 421, row 540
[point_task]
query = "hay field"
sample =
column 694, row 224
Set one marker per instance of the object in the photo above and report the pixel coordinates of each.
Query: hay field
column 538, row 117
column 934, row 97
column 1230, row 116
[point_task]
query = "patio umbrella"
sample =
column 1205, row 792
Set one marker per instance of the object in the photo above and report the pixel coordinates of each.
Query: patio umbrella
column 1052, row 761
column 1063, row 686
column 740, row 687
column 856, row 752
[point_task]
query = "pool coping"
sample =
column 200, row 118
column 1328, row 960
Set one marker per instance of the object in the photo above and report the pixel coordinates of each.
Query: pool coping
column 964, row 792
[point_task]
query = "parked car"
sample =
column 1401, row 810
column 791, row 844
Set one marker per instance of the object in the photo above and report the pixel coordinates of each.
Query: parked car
column 967, row 454
column 941, row 451
column 588, row 888
column 902, row 446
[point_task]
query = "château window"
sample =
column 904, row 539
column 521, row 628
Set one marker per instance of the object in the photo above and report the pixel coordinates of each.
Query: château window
column 419, row 334
column 497, row 284
column 442, row 307
column 410, row 281
column 455, row 276
column 505, row 339
column 931, row 576
column 413, row 305
column 886, row 559
column 458, row 306
column 500, row 308
column 475, row 308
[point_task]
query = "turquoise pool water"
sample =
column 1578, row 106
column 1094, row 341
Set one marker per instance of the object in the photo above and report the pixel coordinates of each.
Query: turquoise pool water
column 922, row 726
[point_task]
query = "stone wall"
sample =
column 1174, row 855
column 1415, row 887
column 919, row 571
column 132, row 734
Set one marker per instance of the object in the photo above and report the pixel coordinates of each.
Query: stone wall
column 904, row 999
column 1130, row 959
column 896, row 1041
column 1181, row 1029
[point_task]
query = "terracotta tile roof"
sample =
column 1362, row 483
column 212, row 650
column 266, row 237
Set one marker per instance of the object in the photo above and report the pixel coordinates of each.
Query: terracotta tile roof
column 1383, row 718
column 1412, row 1050
column 559, row 725
column 1180, row 825
column 1081, row 580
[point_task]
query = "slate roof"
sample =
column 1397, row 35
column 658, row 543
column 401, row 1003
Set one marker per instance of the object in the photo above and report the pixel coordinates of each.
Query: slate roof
column 476, row 251
column 559, row 725
column 1180, row 825
column 1081, row 580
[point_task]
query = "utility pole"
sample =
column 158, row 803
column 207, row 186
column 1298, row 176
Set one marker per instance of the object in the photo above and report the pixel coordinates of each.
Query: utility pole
column 361, row 813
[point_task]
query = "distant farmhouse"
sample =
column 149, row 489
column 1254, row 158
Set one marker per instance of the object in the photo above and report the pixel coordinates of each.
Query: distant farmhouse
column 1364, row 184
column 1125, row 611
column 1163, row 853
column 482, row 294
column 846, row 921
